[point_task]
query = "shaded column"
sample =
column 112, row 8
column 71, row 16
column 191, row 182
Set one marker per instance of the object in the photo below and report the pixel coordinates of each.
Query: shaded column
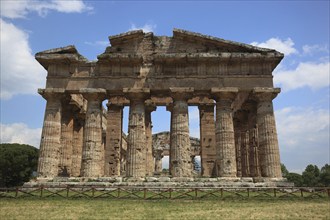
column 66, row 140
column 207, row 139
column 180, row 140
column 245, row 152
column 136, row 151
column 150, row 162
column 254, row 152
column 51, row 133
column 225, row 141
column 269, row 156
column 77, row 146
column 92, row 165
column 113, row 140
column 238, row 144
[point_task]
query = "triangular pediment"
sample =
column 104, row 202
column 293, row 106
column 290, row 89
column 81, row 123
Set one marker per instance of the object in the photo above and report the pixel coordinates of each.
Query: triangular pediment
column 206, row 43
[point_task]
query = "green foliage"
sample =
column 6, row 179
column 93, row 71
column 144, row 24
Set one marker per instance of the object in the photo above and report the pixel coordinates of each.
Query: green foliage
column 311, row 176
column 284, row 170
column 17, row 163
column 295, row 178
column 325, row 175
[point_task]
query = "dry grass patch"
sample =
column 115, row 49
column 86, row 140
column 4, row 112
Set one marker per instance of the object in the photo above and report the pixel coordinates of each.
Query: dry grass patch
column 164, row 209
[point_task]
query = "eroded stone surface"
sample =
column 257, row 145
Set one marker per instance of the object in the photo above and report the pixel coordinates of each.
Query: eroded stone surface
column 80, row 139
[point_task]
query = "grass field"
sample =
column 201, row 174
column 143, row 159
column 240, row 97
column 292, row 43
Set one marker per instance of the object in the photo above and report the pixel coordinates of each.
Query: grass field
column 58, row 208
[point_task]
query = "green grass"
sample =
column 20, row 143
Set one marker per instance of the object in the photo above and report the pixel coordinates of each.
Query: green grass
column 271, row 208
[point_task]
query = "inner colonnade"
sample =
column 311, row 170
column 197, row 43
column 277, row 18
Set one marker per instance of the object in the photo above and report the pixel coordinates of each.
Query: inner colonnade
column 230, row 83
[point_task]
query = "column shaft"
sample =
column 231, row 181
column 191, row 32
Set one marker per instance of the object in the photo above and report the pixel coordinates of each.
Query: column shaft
column 136, row 152
column 269, row 156
column 78, row 142
column 180, row 140
column 207, row 140
column 113, row 140
column 225, row 140
column 150, row 162
column 66, row 141
column 50, row 139
column 245, row 153
column 92, row 150
column 238, row 144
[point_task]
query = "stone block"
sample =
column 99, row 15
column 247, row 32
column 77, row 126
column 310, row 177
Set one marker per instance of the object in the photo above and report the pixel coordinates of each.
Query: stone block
column 164, row 179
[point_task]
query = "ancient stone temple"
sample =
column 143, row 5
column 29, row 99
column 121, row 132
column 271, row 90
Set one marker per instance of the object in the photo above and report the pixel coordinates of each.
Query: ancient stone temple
column 231, row 84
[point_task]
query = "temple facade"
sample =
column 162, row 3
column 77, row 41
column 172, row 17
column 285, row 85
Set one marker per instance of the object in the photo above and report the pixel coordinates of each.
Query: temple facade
column 231, row 84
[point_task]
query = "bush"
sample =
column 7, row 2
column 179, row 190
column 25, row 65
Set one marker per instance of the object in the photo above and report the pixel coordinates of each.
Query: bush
column 17, row 164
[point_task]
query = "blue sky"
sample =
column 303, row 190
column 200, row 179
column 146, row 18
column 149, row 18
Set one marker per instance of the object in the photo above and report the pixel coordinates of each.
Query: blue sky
column 299, row 29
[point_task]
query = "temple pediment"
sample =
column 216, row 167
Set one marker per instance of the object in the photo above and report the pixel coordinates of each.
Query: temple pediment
column 182, row 43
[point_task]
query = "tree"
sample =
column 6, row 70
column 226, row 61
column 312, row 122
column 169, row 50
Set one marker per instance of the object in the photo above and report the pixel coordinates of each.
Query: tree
column 295, row 178
column 325, row 175
column 17, row 163
column 311, row 176
column 284, row 170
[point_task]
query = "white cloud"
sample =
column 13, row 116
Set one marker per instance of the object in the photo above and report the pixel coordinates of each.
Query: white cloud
column 19, row 9
column 99, row 43
column 283, row 46
column 312, row 75
column 312, row 49
column 20, row 72
column 146, row 28
column 303, row 136
column 20, row 133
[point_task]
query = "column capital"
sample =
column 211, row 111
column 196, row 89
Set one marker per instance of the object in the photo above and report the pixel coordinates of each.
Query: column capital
column 93, row 94
column 136, row 94
column 265, row 94
column 52, row 93
column 181, row 93
column 225, row 93
column 112, row 105
column 150, row 106
column 206, row 106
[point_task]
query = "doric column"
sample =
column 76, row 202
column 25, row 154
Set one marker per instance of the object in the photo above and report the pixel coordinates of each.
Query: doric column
column 77, row 146
column 245, row 152
column 269, row 156
column 207, row 139
column 180, row 140
column 66, row 140
column 113, row 140
column 150, row 162
column 158, row 161
column 92, row 165
column 238, row 144
column 254, row 152
column 136, row 151
column 51, row 133
column 225, row 141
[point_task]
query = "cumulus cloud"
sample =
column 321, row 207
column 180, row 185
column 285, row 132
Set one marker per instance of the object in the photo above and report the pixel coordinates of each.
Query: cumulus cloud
column 20, row 9
column 283, row 46
column 303, row 135
column 20, row 133
column 312, row 49
column 306, row 74
column 146, row 28
column 20, row 72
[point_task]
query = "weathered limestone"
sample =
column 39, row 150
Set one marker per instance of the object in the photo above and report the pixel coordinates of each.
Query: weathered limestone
column 92, row 165
column 77, row 146
column 269, row 156
column 136, row 152
column 207, row 139
column 66, row 141
column 113, row 140
column 225, row 141
column 150, row 162
column 180, row 140
column 51, row 133
column 158, row 161
column 143, row 71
